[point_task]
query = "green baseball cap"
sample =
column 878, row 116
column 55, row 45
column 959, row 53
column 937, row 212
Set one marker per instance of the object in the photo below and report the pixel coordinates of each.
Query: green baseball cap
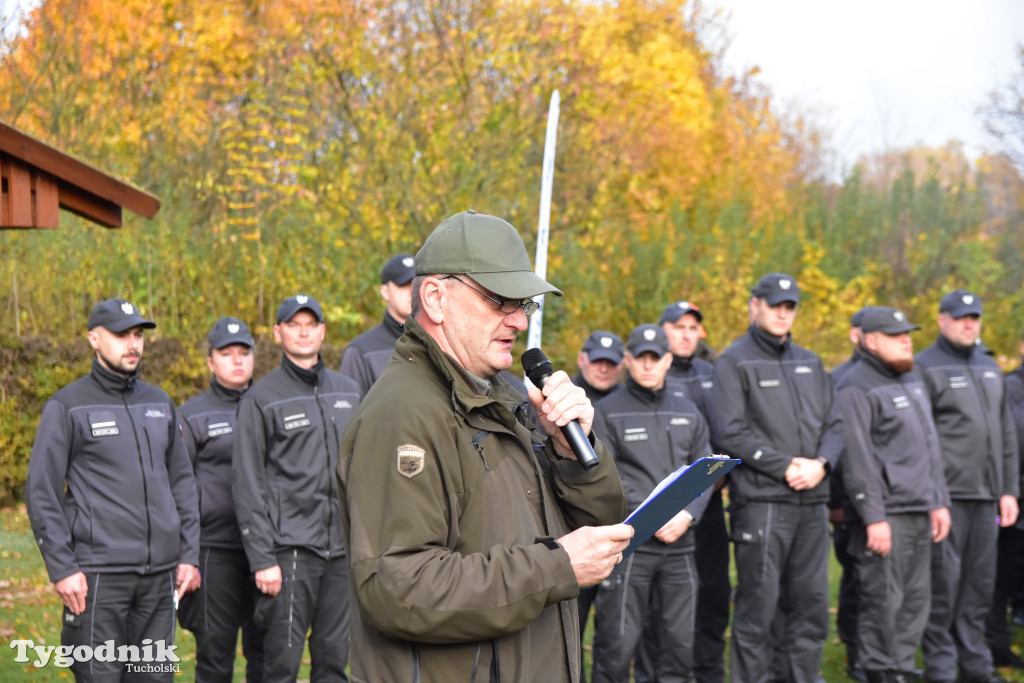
column 487, row 249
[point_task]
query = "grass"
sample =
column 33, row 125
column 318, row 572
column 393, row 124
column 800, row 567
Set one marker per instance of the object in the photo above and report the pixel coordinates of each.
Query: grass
column 30, row 609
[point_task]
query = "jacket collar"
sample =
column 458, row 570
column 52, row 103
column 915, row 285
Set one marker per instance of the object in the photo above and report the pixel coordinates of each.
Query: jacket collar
column 226, row 394
column 769, row 342
column 964, row 352
column 880, row 366
column 682, row 364
column 415, row 342
column 391, row 325
column 643, row 393
column 110, row 381
column 311, row 377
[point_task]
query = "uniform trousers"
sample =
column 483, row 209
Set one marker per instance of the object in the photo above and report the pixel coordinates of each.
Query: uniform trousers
column 647, row 577
column 314, row 599
column 895, row 593
column 215, row 612
column 128, row 609
column 780, row 549
column 963, row 578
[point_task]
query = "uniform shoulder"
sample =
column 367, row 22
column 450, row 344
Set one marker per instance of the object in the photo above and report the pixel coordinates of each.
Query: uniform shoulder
column 340, row 382
column 266, row 387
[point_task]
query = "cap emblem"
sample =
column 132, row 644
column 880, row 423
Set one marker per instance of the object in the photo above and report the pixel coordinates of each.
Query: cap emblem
column 233, row 328
column 127, row 308
column 408, row 262
column 606, row 342
column 649, row 335
column 968, row 299
column 301, row 298
column 785, row 284
column 899, row 316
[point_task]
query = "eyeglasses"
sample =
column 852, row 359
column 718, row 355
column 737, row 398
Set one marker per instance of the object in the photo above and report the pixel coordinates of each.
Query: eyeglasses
column 506, row 306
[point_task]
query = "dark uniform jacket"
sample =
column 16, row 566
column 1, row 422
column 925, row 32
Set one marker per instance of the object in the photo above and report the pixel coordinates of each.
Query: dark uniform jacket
column 837, row 498
column 207, row 425
column 773, row 401
column 366, row 355
column 892, row 463
column 449, row 496
column 651, row 434
column 973, row 419
column 130, row 499
column 286, row 450
column 696, row 378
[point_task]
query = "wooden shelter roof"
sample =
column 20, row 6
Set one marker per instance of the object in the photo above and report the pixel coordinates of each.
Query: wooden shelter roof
column 38, row 180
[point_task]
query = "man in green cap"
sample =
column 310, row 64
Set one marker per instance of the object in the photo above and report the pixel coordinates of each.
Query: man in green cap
column 470, row 530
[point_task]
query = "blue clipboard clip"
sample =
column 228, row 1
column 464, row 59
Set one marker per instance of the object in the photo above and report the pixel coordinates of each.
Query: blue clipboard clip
column 674, row 493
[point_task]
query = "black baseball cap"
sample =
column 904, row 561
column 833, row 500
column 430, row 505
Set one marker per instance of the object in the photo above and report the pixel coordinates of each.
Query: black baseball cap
column 674, row 312
column 887, row 320
column 959, row 303
column 293, row 304
column 857, row 319
column 227, row 331
column 399, row 269
column 487, row 249
column 647, row 338
column 604, row 345
column 117, row 315
column 775, row 288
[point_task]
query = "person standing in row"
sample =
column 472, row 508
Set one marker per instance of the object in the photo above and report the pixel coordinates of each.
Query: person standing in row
column 979, row 453
column 470, row 530
column 683, row 322
column 225, row 600
column 290, row 426
column 651, row 430
column 112, row 500
column 366, row 355
column 892, row 473
column 599, row 365
column 774, row 409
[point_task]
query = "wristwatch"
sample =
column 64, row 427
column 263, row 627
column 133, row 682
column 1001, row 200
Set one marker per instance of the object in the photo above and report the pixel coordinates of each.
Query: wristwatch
column 825, row 464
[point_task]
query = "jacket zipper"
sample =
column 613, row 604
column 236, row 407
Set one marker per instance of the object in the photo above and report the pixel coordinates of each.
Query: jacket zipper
column 145, row 485
column 477, row 438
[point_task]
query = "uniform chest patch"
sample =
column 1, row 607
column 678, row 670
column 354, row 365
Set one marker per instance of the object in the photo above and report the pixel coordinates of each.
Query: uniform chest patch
column 803, row 370
column 679, row 421
column 707, row 385
column 958, row 382
column 155, row 412
column 635, row 434
column 900, row 402
column 768, row 383
column 411, row 460
column 218, row 429
column 295, row 421
column 105, row 428
column 341, row 404
column 989, row 375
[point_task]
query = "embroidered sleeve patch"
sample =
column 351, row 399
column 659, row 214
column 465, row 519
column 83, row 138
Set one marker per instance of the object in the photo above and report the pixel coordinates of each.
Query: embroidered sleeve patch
column 410, row 460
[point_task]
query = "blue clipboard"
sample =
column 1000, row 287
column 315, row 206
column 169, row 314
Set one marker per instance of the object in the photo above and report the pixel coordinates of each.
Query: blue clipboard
column 674, row 493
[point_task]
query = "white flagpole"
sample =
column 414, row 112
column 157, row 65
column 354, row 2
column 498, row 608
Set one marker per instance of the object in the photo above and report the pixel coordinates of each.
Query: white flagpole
column 544, row 221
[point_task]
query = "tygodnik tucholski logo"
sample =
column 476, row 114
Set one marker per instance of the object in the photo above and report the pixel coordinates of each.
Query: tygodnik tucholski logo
column 151, row 657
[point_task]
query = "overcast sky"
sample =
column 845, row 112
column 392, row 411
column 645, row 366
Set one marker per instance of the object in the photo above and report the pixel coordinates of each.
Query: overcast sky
column 879, row 73
column 882, row 73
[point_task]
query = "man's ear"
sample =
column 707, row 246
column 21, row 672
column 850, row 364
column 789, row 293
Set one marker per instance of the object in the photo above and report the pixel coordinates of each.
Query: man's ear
column 433, row 296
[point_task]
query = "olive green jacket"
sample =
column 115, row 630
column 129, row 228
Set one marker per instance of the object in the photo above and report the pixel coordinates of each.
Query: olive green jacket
column 447, row 499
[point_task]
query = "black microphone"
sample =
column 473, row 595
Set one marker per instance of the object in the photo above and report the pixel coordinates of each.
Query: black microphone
column 538, row 368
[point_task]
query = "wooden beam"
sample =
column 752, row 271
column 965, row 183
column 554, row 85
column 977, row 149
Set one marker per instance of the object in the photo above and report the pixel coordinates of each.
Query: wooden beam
column 89, row 206
column 45, row 202
column 89, row 179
